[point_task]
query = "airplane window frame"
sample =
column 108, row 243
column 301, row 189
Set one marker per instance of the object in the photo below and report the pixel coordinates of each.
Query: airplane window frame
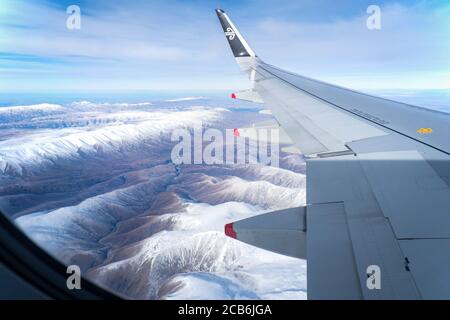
column 36, row 267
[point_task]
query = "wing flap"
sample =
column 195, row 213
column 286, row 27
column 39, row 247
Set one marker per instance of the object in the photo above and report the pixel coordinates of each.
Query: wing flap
column 314, row 125
column 410, row 193
column 262, row 132
column 348, row 232
column 282, row 231
column 429, row 262
column 248, row 95
column 332, row 273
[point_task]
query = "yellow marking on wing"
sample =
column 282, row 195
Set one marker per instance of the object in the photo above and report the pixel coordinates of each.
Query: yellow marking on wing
column 425, row 130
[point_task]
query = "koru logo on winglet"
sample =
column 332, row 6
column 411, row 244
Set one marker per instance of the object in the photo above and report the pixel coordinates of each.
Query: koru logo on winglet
column 230, row 33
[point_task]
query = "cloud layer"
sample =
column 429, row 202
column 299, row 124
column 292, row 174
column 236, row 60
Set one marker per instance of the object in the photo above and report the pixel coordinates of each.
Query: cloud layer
column 179, row 45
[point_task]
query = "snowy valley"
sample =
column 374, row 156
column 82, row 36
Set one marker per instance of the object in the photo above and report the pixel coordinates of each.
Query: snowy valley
column 93, row 183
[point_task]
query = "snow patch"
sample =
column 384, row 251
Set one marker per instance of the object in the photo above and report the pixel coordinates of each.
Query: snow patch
column 186, row 99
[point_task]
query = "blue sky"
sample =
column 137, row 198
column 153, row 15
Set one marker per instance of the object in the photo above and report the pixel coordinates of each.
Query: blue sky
column 179, row 45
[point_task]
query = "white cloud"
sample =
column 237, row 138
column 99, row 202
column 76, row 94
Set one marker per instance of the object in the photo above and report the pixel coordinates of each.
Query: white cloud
column 154, row 45
column 100, row 37
column 412, row 46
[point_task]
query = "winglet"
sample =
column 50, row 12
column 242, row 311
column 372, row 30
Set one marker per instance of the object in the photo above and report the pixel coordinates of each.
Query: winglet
column 237, row 43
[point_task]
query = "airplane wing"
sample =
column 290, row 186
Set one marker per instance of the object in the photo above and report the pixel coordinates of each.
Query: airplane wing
column 377, row 220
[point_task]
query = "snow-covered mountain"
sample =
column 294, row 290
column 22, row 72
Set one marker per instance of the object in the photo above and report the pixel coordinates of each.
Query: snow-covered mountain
column 20, row 113
column 94, row 185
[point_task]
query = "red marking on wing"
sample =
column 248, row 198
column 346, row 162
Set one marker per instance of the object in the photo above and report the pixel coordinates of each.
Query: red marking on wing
column 236, row 132
column 229, row 231
column 233, row 96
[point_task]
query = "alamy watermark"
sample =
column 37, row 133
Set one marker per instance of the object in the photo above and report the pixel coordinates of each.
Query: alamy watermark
column 373, row 281
column 374, row 20
column 74, row 279
column 73, row 22
column 213, row 146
